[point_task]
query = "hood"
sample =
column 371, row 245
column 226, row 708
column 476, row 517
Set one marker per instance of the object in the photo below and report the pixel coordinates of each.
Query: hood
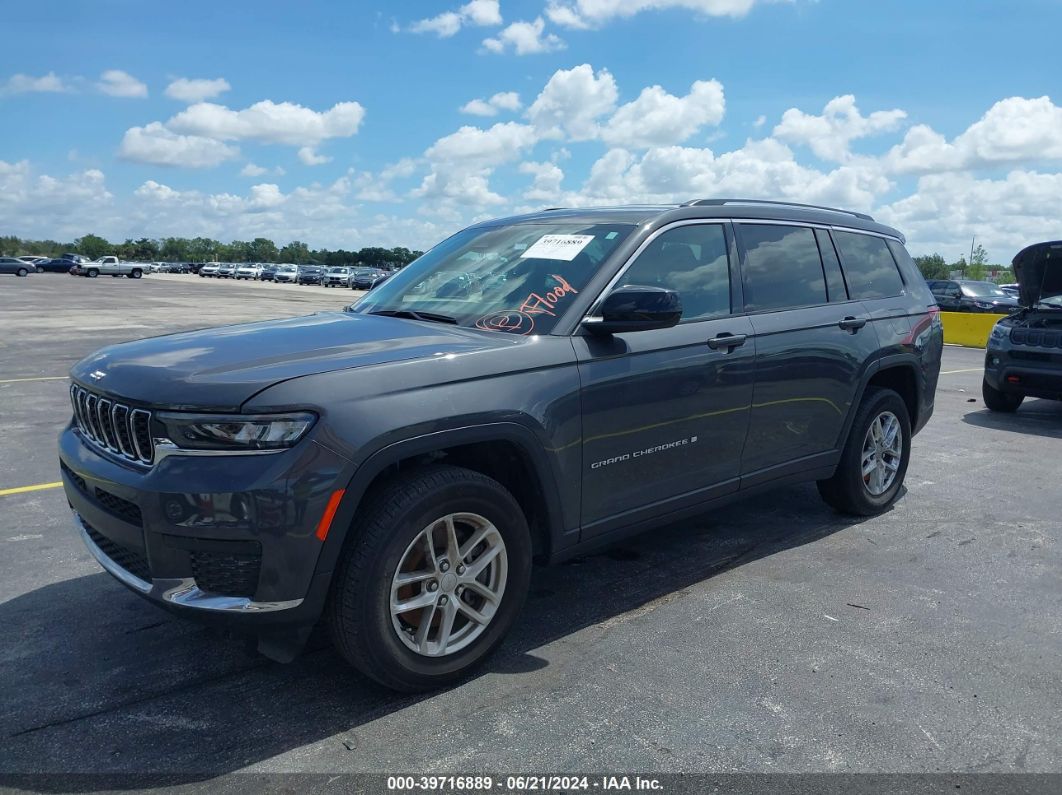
column 219, row 369
column 1038, row 270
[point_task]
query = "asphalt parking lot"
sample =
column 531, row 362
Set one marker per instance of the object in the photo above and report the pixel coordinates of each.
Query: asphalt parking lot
column 771, row 636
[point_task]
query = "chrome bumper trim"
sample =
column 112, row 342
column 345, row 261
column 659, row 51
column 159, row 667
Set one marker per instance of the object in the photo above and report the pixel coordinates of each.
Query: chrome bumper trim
column 179, row 591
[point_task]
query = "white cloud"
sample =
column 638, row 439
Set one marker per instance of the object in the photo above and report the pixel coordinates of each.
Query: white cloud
column 573, row 101
column 947, row 210
column 482, row 12
column 156, row 144
column 524, row 38
column 27, row 84
column 117, row 83
column 477, row 12
column 443, row 26
column 461, row 163
column 309, row 157
column 506, row 100
column 1013, row 130
column 498, row 144
column 270, row 122
column 830, row 134
column 40, row 206
column 546, row 184
column 657, row 118
column 196, row 90
column 593, row 13
column 251, row 170
column 764, row 168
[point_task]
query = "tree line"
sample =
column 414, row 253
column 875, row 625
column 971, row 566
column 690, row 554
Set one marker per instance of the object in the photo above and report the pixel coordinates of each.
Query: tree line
column 978, row 269
column 205, row 249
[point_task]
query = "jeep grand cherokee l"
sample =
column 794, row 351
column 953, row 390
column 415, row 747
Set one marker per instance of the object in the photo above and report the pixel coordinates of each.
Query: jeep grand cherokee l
column 396, row 467
column 1024, row 353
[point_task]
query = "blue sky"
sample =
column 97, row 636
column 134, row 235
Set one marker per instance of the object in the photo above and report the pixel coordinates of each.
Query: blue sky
column 348, row 124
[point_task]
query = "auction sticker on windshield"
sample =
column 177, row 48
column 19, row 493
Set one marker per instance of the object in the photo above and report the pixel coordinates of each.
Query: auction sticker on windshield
column 562, row 247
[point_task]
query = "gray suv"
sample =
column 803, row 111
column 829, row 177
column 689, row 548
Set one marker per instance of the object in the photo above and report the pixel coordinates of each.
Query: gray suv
column 396, row 467
column 1024, row 352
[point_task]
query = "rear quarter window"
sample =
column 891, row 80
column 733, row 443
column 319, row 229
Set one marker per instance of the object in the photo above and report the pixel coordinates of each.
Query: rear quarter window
column 869, row 268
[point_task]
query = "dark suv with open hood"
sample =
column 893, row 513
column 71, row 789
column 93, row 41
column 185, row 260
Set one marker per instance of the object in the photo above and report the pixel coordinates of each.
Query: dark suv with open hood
column 396, row 467
column 1024, row 355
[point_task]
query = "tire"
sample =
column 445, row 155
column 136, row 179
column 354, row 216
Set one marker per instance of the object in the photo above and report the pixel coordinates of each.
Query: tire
column 383, row 539
column 93, row 273
column 136, row 274
column 39, row 269
column 22, row 272
column 1000, row 401
column 849, row 490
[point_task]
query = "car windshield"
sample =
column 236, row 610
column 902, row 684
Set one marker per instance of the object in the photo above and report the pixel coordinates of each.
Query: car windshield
column 515, row 278
column 983, row 290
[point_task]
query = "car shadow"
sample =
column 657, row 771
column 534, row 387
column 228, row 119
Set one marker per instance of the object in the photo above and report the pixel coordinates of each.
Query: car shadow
column 1035, row 417
column 99, row 681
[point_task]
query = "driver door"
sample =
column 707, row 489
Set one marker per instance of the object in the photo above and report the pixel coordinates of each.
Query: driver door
column 666, row 411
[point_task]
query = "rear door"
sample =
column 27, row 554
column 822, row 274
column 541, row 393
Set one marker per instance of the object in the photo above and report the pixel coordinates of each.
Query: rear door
column 811, row 342
column 665, row 412
column 873, row 278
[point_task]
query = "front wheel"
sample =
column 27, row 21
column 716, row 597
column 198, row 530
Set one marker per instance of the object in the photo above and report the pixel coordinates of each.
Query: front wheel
column 39, row 269
column 875, row 457
column 1000, row 401
column 22, row 272
column 93, row 273
column 136, row 274
column 432, row 579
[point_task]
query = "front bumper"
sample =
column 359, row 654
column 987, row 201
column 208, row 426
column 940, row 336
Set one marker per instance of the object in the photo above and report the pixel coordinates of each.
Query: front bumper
column 228, row 540
column 1032, row 373
column 182, row 591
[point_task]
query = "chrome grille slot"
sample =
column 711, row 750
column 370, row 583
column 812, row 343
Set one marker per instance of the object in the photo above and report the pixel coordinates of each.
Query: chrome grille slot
column 115, row 427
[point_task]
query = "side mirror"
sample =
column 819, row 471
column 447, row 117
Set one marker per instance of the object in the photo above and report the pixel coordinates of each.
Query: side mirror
column 634, row 308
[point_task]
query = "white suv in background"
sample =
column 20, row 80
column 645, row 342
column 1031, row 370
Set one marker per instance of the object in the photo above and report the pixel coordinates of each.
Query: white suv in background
column 249, row 270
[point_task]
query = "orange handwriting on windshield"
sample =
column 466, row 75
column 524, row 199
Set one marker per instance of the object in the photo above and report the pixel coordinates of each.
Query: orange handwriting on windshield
column 536, row 304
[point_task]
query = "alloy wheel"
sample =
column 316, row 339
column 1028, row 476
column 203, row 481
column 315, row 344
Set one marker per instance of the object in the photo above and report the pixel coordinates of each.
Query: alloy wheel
column 882, row 453
column 449, row 584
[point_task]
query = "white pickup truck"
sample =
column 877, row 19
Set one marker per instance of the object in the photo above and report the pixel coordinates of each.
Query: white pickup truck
column 109, row 266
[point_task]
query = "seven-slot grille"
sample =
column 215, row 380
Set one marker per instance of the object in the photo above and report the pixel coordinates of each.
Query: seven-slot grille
column 114, row 426
column 1041, row 338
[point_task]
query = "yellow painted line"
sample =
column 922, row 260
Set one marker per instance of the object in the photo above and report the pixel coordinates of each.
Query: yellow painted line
column 35, row 378
column 968, row 370
column 24, row 489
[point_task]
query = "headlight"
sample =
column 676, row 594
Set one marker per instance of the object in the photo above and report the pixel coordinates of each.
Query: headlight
column 235, row 432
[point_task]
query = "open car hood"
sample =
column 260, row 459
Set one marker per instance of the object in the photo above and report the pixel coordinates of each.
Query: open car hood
column 1038, row 269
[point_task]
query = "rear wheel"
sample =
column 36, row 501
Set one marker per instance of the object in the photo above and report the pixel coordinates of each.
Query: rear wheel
column 875, row 456
column 22, row 272
column 39, row 269
column 136, row 274
column 1000, row 401
column 433, row 577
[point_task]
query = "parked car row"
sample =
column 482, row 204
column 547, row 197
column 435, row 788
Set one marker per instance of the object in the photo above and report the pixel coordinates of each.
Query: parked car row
column 286, row 272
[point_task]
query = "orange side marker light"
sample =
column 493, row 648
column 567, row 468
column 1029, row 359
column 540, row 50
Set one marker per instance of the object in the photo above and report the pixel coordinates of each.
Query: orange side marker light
column 329, row 514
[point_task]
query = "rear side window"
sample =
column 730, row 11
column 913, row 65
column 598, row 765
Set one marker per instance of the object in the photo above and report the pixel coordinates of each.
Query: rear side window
column 782, row 267
column 869, row 268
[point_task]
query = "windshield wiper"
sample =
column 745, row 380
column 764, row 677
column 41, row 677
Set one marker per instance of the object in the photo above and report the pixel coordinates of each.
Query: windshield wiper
column 411, row 315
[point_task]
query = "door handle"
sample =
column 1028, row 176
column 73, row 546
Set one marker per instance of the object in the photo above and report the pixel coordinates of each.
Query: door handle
column 727, row 340
column 852, row 324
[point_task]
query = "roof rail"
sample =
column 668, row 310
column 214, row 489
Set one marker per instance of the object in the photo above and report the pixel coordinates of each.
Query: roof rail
column 721, row 202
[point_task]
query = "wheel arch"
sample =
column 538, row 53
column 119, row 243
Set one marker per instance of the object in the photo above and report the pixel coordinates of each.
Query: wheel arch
column 506, row 451
column 898, row 372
